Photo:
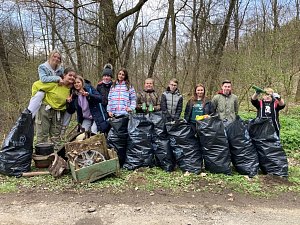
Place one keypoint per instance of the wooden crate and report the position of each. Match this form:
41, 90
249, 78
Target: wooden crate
96, 142
98, 170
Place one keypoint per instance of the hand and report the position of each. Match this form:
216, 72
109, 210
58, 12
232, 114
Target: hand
276, 96
61, 81
84, 93
69, 99
110, 114
128, 109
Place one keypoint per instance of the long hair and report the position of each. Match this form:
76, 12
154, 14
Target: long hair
194, 98
54, 52
126, 78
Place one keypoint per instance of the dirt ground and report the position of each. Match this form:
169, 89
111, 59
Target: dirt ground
146, 208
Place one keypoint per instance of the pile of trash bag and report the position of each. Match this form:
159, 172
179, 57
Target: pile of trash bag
185, 146
271, 156
139, 152
214, 144
17, 148
243, 153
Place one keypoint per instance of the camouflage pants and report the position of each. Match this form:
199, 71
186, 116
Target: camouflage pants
49, 125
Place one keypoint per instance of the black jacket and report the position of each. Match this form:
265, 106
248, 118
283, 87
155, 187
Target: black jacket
208, 109
103, 89
97, 110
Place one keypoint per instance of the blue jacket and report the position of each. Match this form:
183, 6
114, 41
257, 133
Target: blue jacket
47, 74
98, 112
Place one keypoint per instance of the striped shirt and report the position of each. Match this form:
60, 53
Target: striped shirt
119, 98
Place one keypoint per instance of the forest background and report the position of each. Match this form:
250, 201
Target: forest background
197, 41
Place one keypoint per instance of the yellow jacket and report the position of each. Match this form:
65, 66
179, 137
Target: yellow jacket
55, 95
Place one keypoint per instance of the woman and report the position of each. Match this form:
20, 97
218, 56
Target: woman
122, 96
86, 101
171, 100
51, 71
198, 105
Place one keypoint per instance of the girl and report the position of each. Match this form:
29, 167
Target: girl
86, 101
198, 105
122, 96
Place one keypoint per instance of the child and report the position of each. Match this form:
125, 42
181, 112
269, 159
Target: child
172, 100
269, 106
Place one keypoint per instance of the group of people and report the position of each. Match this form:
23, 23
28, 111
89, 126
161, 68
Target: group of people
61, 92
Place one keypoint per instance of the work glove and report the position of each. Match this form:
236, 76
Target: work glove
276, 96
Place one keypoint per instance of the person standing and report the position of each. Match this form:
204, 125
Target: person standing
147, 99
86, 101
172, 100
51, 112
225, 103
122, 96
198, 105
269, 106
104, 85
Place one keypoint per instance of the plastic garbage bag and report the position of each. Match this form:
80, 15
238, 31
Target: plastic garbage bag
243, 153
185, 147
16, 151
214, 143
139, 151
161, 143
271, 156
117, 136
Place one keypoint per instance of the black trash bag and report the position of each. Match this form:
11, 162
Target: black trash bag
271, 156
243, 153
139, 151
185, 146
214, 144
160, 141
117, 136
17, 148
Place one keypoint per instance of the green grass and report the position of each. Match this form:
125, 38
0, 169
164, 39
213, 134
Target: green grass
150, 179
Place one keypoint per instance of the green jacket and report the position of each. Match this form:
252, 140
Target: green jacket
55, 94
226, 106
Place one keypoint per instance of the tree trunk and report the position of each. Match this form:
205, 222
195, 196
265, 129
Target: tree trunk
76, 36
218, 51
12, 92
158, 45
174, 45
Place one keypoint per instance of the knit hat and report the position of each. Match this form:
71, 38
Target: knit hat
107, 70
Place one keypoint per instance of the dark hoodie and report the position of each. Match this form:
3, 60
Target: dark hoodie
103, 89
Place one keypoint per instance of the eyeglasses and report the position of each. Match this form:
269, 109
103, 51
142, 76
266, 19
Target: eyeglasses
175, 85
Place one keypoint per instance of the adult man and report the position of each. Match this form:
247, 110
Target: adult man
147, 100
51, 112
225, 103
